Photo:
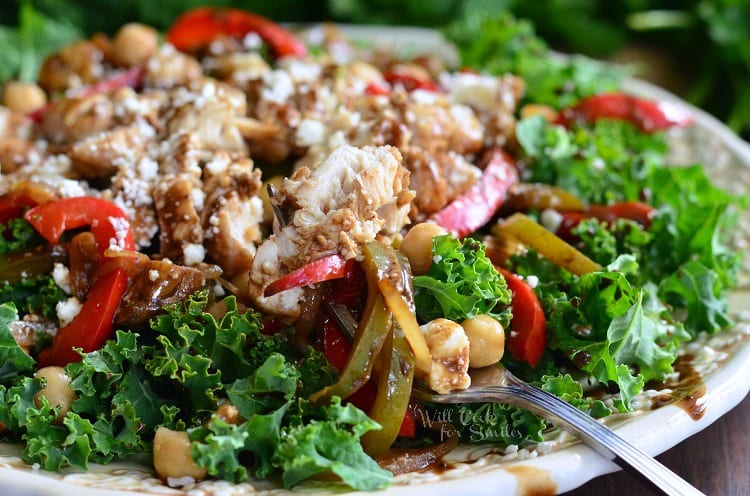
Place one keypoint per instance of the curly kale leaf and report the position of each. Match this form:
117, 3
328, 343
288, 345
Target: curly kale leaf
285, 433
461, 283
331, 444
13, 360
604, 163
18, 235
202, 353
37, 296
501, 44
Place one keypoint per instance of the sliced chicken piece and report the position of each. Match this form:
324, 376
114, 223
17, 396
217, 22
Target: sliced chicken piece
233, 213
209, 109
168, 68
335, 207
16, 152
180, 231
75, 65
101, 155
181, 154
494, 99
438, 126
73, 119
14, 125
148, 106
427, 180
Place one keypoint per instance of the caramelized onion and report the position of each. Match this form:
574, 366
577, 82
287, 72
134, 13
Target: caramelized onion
402, 461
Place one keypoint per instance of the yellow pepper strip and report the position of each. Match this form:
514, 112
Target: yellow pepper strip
547, 244
527, 196
394, 389
394, 282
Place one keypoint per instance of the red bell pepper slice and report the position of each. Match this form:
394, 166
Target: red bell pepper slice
92, 327
377, 89
528, 327
323, 269
197, 28
475, 208
647, 115
410, 82
130, 78
642, 213
13, 205
109, 225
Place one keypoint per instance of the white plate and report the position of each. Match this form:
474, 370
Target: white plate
526, 472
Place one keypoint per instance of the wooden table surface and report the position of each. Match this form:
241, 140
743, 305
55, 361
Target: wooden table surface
716, 461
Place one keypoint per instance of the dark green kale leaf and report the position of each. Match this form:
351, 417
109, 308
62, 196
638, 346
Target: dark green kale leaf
603, 242
202, 354
18, 235
698, 290
501, 44
461, 283
282, 432
331, 444
604, 163
13, 360
37, 295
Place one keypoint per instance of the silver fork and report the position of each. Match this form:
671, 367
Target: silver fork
597, 436
593, 434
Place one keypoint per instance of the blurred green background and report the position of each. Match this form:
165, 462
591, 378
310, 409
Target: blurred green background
699, 49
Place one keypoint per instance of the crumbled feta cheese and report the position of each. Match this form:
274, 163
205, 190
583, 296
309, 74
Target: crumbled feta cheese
61, 275
310, 132
299, 70
67, 310
148, 169
551, 219
122, 228
532, 281
278, 86
194, 253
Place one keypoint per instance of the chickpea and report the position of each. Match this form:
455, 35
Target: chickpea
274, 181
417, 246
486, 340
133, 44
533, 109
172, 458
23, 98
56, 389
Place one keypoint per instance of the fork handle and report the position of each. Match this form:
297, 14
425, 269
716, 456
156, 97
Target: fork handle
603, 440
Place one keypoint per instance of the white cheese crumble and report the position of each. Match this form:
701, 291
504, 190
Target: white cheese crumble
194, 253
61, 275
310, 132
532, 281
122, 228
67, 310
551, 219
278, 86
148, 169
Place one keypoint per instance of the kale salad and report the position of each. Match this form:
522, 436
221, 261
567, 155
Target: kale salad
235, 249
